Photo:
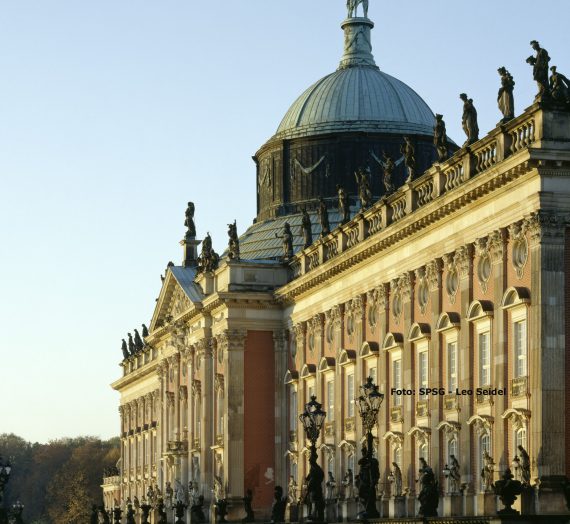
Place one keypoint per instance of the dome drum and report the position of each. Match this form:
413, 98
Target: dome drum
292, 174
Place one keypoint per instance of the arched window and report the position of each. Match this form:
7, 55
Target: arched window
293, 410
520, 438
220, 412
423, 451
451, 448
398, 456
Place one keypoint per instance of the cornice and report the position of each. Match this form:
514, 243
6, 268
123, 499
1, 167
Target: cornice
439, 209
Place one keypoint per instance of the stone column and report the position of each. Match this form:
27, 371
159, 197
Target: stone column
431, 277
495, 248
234, 436
462, 264
546, 349
281, 419
207, 417
404, 287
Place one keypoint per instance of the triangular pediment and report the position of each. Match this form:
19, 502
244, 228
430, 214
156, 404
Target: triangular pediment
179, 295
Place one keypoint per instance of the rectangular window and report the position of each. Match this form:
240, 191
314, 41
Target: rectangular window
293, 411
310, 393
484, 359
350, 394
452, 366
372, 374
520, 343
397, 380
330, 401
423, 372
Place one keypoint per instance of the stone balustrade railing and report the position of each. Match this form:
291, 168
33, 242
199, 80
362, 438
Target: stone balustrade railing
503, 141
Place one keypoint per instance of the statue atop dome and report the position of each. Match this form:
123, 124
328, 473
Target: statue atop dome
352, 6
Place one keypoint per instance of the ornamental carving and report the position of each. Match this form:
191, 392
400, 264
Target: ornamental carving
236, 339
376, 300
299, 337
169, 399
496, 244
219, 383
422, 288
183, 393
356, 306
541, 225
519, 418
397, 303
332, 322
433, 274
519, 248
452, 277
462, 260
196, 388
482, 424
484, 263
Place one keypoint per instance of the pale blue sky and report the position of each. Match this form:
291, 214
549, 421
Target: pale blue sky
114, 114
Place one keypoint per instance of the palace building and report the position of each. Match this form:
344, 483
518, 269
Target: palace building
450, 291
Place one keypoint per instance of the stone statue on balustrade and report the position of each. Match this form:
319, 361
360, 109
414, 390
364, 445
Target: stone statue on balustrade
505, 97
559, 86
139, 344
189, 221
197, 510
469, 120
150, 495
278, 506
440, 139
348, 484
364, 192
343, 206
144, 331
429, 491
307, 229
247, 506
233, 242
130, 514
168, 495
292, 494
525, 466
388, 165
330, 485
132, 349
104, 517
408, 150
124, 349
287, 241
397, 475
179, 494
94, 515
539, 64
208, 259
487, 471
454, 475
324, 218
161, 509
352, 6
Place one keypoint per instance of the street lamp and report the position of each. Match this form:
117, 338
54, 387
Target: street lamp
369, 403
5, 470
17, 509
312, 419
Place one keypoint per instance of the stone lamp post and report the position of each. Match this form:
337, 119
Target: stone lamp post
369, 403
312, 419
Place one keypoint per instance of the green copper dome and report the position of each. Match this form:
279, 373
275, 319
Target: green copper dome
357, 97
360, 98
